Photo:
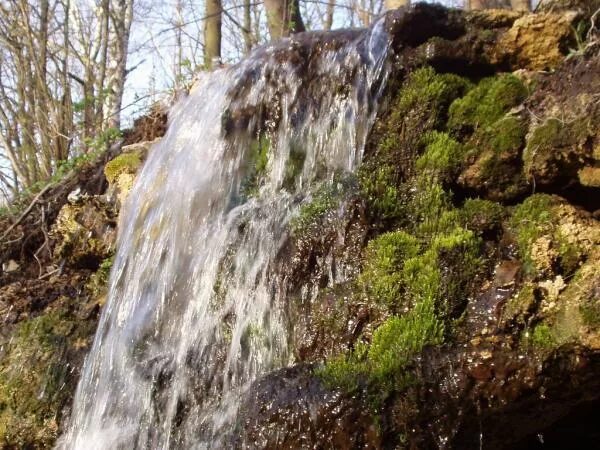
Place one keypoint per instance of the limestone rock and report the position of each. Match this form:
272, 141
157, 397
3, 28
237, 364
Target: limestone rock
85, 232
537, 41
121, 171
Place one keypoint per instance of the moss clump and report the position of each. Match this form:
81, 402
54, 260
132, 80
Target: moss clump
420, 107
486, 103
98, 284
501, 143
398, 340
256, 166
590, 313
32, 378
445, 272
435, 92
422, 290
323, 202
542, 155
379, 187
519, 308
542, 337
442, 157
429, 209
384, 258
294, 166
481, 216
383, 364
534, 220
124, 163
506, 135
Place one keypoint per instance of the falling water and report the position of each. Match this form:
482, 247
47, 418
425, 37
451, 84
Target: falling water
196, 311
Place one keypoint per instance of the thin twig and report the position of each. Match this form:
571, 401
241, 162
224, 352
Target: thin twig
27, 211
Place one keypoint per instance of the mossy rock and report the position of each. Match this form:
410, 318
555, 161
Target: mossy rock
421, 286
384, 259
578, 316
543, 245
85, 233
321, 206
482, 216
256, 166
125, 163
36, 378
442, 157
488, 102
494, 162
558, 149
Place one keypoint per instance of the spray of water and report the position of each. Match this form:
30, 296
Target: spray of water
196, 311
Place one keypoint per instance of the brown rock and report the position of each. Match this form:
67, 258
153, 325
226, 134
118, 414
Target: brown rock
537, 41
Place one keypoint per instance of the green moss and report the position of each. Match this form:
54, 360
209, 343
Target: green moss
549, 137
399, 340
429, 209
534, 218
124, 163
442, 157
507, 134
491, 99
500, 144
542, 337
520, 306
420, 106
384, 364
384, 257
32, 378
346, 371
421, 290
294, 166
427, 89
481, 216
326, 199
590, 313
256, 166
379, 187
98, 283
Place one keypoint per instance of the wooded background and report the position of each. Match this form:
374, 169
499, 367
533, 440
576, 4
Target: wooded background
72, 71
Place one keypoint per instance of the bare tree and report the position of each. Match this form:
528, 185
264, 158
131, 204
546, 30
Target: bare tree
521, 5
283, 17
35, 100
328, 22
212, 32
393, 4
121, 19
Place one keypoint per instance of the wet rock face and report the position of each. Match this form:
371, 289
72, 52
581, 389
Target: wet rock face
442, 210
291, 409
51, 297
519, 351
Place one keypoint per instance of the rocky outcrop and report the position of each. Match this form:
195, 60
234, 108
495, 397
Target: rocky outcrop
469, 315
57, 256
472, 318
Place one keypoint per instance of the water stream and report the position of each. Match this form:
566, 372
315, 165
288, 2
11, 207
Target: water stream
196, 311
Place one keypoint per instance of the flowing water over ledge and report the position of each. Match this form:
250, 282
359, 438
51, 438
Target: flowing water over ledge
196, 309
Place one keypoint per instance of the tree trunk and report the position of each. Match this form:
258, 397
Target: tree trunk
122, 16
393, 4
521, 5
476, 4
329, 15
283, 18
247, 31
212, 32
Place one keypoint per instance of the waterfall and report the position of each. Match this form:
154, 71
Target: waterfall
196, 310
